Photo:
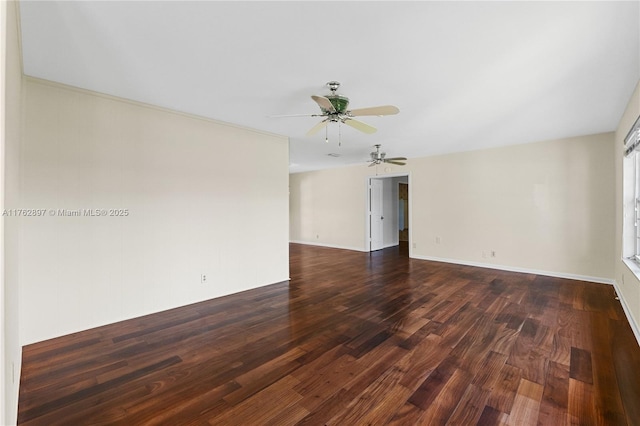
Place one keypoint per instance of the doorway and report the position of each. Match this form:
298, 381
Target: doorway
403, 216
376, 215
388, 213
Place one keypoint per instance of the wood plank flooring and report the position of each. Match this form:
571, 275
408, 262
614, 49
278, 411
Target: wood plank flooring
354, 338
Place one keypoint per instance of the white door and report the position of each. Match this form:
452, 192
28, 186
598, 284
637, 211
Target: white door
375, 216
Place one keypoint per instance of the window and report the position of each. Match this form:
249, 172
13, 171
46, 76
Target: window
631, 194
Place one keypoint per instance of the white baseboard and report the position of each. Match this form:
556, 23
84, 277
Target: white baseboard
598, 280
627, 312
11, 401
339, 246
310, 243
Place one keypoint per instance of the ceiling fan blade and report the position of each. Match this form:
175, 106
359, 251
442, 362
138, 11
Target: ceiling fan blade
324, 103
373, 163
295, 115
359, 125
315, 129
396, 159
398, 163
379, 110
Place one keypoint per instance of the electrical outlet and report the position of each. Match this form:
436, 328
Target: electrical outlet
438, 240
493, 253
413, 245
203, 278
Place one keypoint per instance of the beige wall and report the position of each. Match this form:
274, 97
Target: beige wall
328, 207
627, 284
195, 206
545, 207
12, 102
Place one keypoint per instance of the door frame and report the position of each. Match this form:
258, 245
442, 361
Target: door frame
367, 221
377, 224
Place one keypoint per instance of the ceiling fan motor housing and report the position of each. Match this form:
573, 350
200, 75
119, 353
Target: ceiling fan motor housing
377, 156
339, 102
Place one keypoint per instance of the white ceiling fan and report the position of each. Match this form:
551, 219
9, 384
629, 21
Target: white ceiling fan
378, 157
334, 109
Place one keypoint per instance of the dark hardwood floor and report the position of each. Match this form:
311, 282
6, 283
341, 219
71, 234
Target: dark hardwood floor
354, 338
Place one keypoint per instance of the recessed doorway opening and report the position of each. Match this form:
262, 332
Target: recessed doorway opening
388, 213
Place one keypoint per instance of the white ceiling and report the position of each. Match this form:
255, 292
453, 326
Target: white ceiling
465, 75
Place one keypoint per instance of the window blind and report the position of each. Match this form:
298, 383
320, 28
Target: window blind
632, 140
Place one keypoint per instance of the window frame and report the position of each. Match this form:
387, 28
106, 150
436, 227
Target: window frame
631, 199
636, 221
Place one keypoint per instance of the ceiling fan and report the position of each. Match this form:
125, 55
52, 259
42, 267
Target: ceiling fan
378, 157
334, 109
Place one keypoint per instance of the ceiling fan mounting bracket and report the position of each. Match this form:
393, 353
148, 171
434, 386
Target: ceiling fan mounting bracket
333, 86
